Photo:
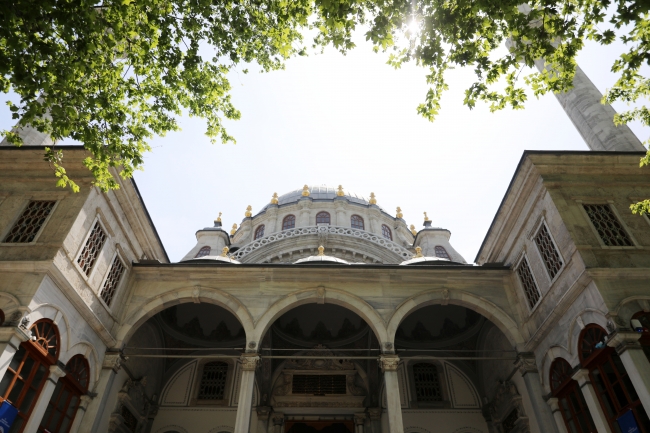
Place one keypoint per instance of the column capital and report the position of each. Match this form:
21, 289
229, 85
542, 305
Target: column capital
278, 418
581, 376
622, 340
526, 363
374, 412
263, 411
554, 403
14, 335
249, 361
56, 372
112, 361
389, 362
359, 418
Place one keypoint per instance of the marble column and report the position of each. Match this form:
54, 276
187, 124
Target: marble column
83, 405
389, 365
635, 362
528, 370
10, 339
278, 421
375, 419
555, 409
263, 413
92, 415
359, 421
35, 418
591, 398
249, 363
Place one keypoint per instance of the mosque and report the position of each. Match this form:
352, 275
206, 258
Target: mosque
324, 312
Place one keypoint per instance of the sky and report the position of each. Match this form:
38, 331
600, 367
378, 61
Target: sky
351, 120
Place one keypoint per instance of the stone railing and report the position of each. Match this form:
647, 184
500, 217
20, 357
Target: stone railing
316, 230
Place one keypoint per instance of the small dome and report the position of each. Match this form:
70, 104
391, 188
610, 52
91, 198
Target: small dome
320, 192
219, 259
428, 261
321, 260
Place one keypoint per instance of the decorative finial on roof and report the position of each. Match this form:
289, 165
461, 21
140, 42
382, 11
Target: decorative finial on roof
413, 231
372, 200
274, 199
249, 212
426, 218
399, 212
217, 222
339, 191
224, 251
233, 230
219, 217
418, 253
305, 191
321, 250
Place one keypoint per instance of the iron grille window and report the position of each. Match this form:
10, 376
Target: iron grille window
289, 222
316, 384
385, 231
607, 225
259, 232
357, 222
322, 218
528, 282
130, 421
91, 250
427, 382
213, 381
204, 251
547, 250
30, 222
113, 279
441, 252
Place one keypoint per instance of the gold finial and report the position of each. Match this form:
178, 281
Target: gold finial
340, 192
399, 212
249, 212
233, 230
413, 231
426, 218
305, 191
372, 200
321, 250
274, 199
218, 220
418, 253
224, 252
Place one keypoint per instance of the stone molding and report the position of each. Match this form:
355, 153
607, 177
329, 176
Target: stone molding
622, 341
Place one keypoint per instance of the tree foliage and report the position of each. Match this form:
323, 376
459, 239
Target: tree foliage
114, 74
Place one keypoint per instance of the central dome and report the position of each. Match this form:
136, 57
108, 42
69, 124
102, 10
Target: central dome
320, 192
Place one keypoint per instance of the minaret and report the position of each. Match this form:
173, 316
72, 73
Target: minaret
594, 120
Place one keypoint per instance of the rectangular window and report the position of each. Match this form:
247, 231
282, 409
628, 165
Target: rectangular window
609, 228
528, 282
91, 250
427, 382
318, 384
130, 421
113, 279
30, 222
213, 381
546, 247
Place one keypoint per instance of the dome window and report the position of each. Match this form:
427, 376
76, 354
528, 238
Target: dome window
442, 252
204, 251
289, 222
259, 232
385, 231
357, 222
322, 218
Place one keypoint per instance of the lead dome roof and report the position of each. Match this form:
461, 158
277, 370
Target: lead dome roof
320, 192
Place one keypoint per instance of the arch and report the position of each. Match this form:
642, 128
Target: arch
620, 309
259, 232
551, 355
289, 222
386, 232
323, 217
58, 317
592, 338
142, 312
320, 294
456, 297
578, 323
356, 222
90, 353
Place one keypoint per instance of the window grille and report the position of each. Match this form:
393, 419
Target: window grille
607, 225
130, 421
385, 231
259, 232
204, 251
91, 250
113, 279
315, 384
46, 336
289, 222
560, 373
213, 381
547, 250
322, 218
30, 222
441, 252
528, 282
427, 383
357, 222
590, 337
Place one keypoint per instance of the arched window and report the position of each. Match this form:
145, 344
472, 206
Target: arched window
65, 399
204, 251
427, 382
611, 381
357, 222
322, 218
385, 231
441, 252
289, 222
28, 370
570, 398
259, 232
213, 381
2, 317
644, 318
